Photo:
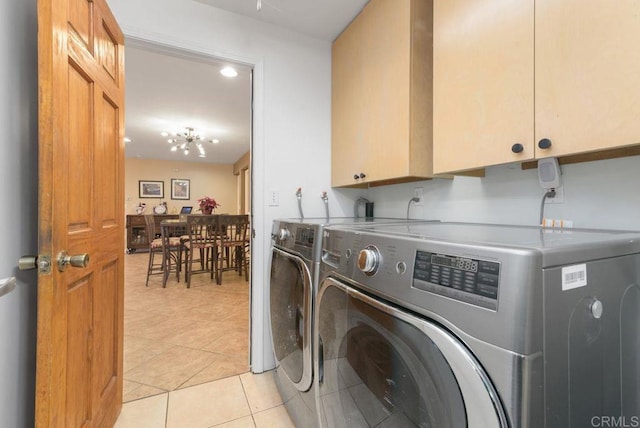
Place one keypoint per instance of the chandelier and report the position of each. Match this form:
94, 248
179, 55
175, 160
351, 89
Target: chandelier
187, 140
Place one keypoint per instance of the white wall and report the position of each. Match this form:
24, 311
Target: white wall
292, 116
18, 209
291, 146
600, 194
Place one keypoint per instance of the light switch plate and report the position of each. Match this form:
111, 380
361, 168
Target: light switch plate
274, 197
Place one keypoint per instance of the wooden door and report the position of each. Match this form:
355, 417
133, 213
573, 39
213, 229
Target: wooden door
483, 83
81, 170
348, 141
587, 68
386, 77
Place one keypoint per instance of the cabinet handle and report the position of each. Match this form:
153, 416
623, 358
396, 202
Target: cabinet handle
545, 143
362, 175
517, 148
356, 177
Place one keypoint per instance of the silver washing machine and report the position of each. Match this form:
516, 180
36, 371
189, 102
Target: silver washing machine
474, 325
296, 250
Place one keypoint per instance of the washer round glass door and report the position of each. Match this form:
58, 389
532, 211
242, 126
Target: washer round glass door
290, 315
381, 366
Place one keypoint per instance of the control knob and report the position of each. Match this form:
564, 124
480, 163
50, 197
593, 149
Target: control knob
283, 234
369, 260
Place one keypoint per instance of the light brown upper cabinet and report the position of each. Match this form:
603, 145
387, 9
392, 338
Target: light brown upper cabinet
382, 95
503, 95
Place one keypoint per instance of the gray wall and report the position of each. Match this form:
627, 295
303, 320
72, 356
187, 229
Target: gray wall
599, 194
18, 207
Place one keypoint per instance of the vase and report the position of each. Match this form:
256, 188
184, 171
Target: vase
207, 210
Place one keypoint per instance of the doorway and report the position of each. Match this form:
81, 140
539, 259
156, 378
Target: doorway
177, 337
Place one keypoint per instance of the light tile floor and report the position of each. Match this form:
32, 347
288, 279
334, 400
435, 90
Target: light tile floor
240, 401
177, 337
186, 354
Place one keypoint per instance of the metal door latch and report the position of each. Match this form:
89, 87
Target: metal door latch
42, 263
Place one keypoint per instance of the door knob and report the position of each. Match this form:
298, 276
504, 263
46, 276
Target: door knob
517, 148
42, 263
79, 260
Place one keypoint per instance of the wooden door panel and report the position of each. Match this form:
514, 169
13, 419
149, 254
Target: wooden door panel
105, 352
79, 152
347, 140
80, 21
107, 149
78, 347
386, 83
483, 83
81, 201
108, 49
587, 68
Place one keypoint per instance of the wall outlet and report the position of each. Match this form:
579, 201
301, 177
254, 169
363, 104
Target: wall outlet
559, 198
418, 192
273, 197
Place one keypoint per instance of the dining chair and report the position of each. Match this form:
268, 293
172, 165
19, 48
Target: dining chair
232, 243
200, 247
156, 247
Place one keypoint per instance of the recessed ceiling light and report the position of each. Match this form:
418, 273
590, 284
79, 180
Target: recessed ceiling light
214, 141
164, 134
127, 139
229, 72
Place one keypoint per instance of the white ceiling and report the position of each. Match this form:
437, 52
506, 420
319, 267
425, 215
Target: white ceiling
169, 90
323, 19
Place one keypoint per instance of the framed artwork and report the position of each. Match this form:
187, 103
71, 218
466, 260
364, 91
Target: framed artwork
151, 189
180, 188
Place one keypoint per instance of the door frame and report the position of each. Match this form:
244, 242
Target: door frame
259, 347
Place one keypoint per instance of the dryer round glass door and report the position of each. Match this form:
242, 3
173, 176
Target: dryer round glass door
381, 366
290, 315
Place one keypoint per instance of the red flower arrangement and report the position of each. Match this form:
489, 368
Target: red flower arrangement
207, 204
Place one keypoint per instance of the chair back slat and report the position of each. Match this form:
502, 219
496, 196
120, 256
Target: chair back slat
202, 229
150, 223
234, 229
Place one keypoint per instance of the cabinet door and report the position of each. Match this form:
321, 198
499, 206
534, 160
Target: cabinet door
386, 81
348, 142
483, 83
587, 75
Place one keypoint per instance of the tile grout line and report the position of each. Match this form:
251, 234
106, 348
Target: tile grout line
244, 391
166, 413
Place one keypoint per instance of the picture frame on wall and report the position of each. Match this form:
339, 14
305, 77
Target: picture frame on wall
180, 188
150, 189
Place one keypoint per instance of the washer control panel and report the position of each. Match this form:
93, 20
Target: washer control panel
305, 236
294, 237
470, 280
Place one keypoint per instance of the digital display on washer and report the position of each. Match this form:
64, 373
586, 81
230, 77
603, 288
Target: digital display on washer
305, 236
469, 280
455, 262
